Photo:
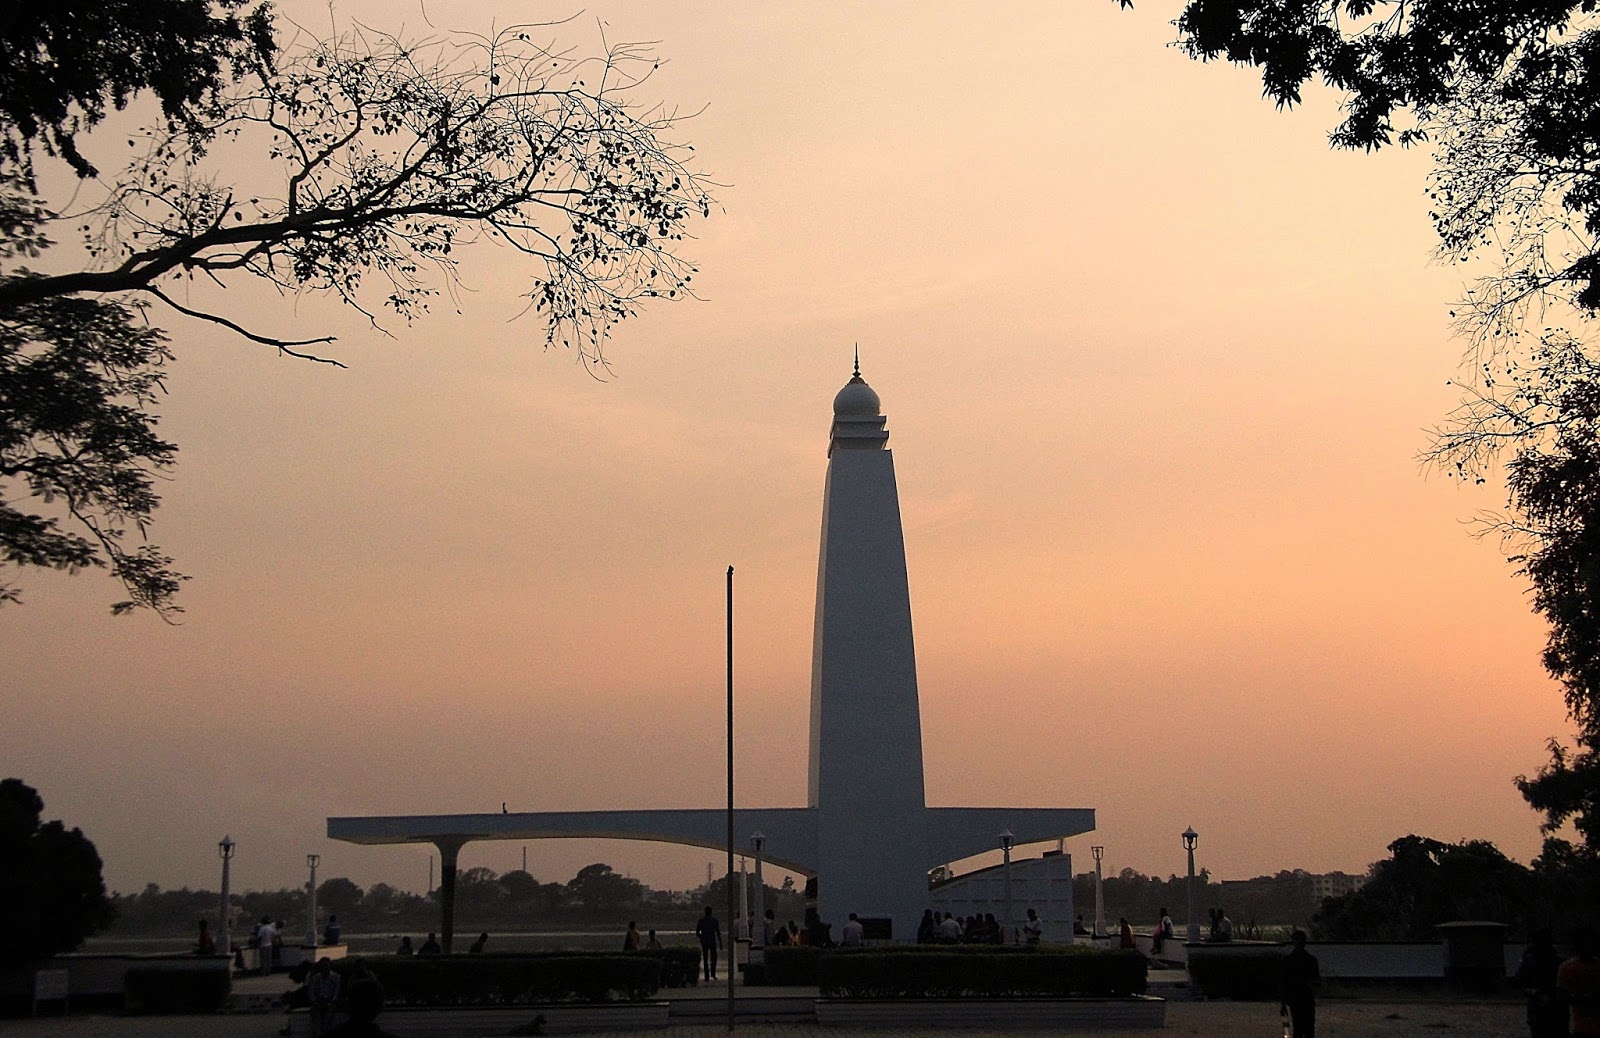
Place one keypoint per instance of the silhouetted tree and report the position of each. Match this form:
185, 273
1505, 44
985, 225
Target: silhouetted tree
521, 888
51, 893
338, 896
603, 890
63, 65
1424, 883
1507, 92
354, 167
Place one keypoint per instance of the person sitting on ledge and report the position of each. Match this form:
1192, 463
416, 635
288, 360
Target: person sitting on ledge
477, 946
332, 932
365, 1000
430, 946
405, 947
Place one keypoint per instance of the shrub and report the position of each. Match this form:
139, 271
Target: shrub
156, 990
1247, 976
791, 966
510, 979
680, 966
980, 973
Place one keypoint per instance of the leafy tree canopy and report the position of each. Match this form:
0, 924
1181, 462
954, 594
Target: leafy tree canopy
1507, 92
354, 167
1423, 883
338, 896
62, 66
52, 895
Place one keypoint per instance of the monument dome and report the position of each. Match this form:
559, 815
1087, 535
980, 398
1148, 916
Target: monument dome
857, 399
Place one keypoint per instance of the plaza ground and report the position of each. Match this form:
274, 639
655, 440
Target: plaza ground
1335, 1019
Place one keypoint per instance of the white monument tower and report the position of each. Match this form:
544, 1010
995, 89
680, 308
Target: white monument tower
866, 728
866, 833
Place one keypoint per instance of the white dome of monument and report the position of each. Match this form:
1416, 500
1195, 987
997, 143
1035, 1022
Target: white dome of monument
856, 399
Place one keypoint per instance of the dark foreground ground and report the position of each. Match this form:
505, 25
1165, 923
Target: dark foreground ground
1335, 1019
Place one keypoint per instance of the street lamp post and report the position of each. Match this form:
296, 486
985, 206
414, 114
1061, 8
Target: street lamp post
1190, 838
758, 927
1099, 893
1005, 848
225, 851
312, 861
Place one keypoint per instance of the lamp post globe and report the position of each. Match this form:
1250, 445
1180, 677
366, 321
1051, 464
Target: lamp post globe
225, 909
1190, 838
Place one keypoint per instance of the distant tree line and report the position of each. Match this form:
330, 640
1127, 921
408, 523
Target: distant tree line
1264, 902
1425, 882
597, 897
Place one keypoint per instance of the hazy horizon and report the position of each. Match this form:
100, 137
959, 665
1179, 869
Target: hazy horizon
1157, 364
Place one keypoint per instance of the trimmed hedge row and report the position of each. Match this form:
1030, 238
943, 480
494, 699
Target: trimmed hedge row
498, 980
680, 967
1243, 976
980, 973
790, 965
157, 990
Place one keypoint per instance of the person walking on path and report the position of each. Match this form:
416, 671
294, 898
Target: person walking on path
1298, 978
710, 933
1579, 979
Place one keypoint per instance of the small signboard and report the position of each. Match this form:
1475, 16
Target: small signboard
51, 986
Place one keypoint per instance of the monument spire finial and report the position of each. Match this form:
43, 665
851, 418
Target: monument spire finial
857, 373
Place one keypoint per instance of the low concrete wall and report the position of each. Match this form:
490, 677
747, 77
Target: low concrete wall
102, 975
1009, 1013
471, 1023
1363, 960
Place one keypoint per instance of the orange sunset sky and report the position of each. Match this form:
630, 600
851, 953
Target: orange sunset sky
1156, 363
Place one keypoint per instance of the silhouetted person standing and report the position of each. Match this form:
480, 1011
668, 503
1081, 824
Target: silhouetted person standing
206, 945
1298, 978
710, 933
1579, 978
266, 937
322, 988
1536, 975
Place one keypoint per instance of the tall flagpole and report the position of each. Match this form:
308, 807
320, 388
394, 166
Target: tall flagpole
731, 944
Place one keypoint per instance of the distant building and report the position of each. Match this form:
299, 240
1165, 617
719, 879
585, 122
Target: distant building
1335, 884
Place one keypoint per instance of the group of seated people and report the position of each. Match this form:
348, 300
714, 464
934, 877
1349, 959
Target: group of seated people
975, 929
